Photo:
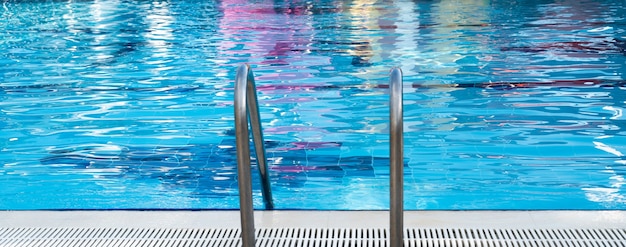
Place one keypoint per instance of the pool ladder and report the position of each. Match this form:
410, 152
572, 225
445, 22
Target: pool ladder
247, 111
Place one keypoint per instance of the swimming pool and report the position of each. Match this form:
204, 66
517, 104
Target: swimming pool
129, 104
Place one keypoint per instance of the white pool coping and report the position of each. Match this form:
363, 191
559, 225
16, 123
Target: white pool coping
314, 219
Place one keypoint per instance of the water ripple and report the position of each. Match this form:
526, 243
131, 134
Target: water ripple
508, 105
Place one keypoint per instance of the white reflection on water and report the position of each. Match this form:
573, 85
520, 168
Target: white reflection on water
160, 31
159, 37
618, 112
613, 194
608, 149
406, 47
103, 14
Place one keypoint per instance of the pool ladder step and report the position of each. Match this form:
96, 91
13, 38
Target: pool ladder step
247, 111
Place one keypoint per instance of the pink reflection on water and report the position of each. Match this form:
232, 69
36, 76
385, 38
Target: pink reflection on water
289, 129
259, 33
284, 76
292, 100
310, 145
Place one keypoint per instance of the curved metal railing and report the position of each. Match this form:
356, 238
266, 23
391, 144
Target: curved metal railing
247, 108
396, 163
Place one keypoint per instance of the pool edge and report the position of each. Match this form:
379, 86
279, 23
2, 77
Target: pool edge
315, 219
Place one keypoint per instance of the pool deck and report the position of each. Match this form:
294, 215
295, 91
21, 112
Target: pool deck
314, 219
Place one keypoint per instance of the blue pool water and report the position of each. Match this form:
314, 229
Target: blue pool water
129, 104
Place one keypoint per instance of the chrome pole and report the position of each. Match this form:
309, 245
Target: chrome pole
243, 158
396, 155
259, 143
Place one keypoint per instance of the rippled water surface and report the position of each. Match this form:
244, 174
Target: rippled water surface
129, 104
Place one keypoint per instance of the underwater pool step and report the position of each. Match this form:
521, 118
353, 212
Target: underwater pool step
297, 237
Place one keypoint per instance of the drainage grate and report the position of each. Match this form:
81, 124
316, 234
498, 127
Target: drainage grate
309, 237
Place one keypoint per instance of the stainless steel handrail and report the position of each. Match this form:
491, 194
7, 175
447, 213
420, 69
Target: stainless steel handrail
396, 156
247, 107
